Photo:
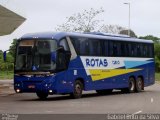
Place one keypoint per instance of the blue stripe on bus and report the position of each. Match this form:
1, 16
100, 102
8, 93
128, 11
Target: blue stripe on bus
132, 64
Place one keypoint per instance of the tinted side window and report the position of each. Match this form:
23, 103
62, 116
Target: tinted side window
150, 50
84, 46
104, 46
145, 50
124, 49
134, 49
114, 48
76, 44
64, 43
111, 51
138, 50
81, 45
95, 47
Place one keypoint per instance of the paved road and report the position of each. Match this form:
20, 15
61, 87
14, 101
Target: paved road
91, 103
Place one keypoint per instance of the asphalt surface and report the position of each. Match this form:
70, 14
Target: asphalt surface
91, 103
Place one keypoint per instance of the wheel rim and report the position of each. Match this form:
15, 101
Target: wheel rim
132, 85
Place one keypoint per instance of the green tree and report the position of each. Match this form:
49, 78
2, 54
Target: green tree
1, 51
8, 65
156, 49
12, 48
125, 32
150, 37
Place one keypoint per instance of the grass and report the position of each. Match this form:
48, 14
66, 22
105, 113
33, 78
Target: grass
157, 77
6, 75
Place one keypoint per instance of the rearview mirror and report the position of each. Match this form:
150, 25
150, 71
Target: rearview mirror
53, 56
60, 48
4, 56
54, 53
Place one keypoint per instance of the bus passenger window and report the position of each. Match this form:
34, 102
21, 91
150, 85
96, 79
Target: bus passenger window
84, 46
104, 47
95, 48
76, 44
150, 50
110, 48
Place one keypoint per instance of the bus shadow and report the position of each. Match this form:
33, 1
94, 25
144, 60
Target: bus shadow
84, 96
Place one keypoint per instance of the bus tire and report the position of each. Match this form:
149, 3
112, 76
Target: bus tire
103, 92
78, 88
131, 86
42, 95
139, 84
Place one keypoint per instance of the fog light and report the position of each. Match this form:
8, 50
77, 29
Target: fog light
18, 90
50, 91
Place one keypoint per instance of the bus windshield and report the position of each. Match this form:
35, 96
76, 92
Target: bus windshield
35, 55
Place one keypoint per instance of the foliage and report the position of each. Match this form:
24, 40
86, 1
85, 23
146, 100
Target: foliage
87, 22
81, 22
150, 37
8, 65
125, 32
6, 75
157, 56
12, 48
111, 28
157, 77
156, 49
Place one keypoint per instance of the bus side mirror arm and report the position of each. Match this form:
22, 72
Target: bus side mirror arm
54, 56
5, 56
54, 53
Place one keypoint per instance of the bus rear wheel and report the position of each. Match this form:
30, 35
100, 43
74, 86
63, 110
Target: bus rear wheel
131, 86
78, 88
42, 95
139, 84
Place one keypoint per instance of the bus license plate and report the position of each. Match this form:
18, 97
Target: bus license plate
31, 86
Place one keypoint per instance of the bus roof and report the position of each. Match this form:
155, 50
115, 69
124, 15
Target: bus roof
94, 35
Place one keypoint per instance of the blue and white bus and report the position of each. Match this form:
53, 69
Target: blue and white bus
68, 63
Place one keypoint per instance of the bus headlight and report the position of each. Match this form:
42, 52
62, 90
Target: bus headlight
18, 90
50, 91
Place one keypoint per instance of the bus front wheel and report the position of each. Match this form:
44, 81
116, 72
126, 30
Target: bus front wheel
78, 88
42, 95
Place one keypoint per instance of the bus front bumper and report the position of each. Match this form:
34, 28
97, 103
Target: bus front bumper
33, 85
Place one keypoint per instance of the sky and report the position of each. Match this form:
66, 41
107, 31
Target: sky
45, 15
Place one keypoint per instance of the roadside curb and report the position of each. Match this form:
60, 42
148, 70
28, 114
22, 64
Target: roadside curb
6, 88
158, 82
5, 95
6, 92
